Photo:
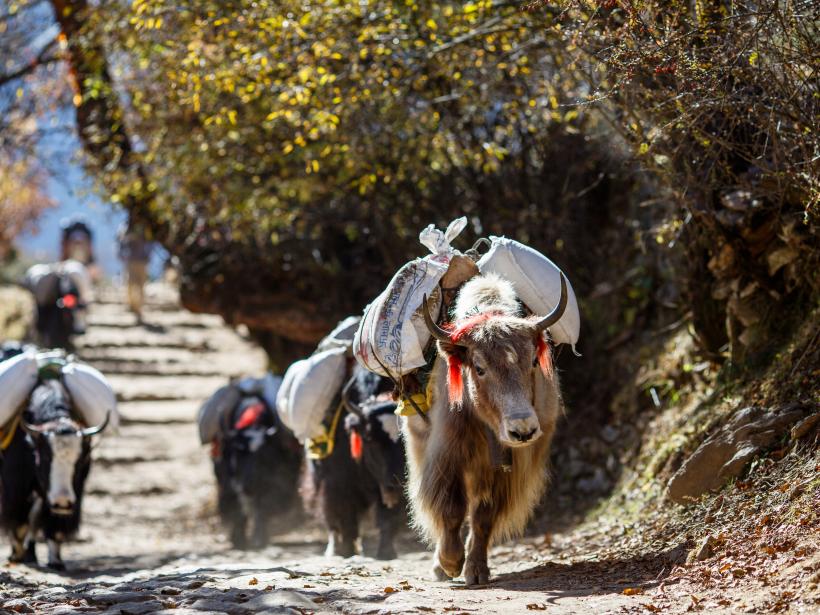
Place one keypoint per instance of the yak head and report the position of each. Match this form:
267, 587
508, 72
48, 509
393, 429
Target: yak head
373, 429
61, 446
493, 356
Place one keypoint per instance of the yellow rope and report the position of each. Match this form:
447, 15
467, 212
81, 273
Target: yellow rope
321, 447
406, 406
8, 432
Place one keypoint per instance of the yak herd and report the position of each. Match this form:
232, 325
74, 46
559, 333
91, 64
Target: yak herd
464, 472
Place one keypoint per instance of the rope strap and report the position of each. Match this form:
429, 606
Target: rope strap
321, 447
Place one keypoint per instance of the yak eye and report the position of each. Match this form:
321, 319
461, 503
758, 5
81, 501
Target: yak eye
535, 360
480, 371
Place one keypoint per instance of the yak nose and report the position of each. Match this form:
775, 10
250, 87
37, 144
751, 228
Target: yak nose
521, 429
522, 436
62, 503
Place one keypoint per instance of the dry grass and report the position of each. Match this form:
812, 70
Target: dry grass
16, 312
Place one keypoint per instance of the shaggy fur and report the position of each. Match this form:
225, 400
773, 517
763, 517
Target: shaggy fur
453, 473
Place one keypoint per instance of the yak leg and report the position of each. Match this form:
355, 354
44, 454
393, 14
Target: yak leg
22, 549
476, 571
451, 507
388, 520
260, 531
342, 525
55, 560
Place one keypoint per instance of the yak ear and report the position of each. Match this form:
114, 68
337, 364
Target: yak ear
453, 350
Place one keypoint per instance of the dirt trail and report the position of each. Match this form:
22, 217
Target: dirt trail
150, 541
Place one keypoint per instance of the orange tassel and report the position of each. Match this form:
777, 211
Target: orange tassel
356, 445
455, 385
544, 354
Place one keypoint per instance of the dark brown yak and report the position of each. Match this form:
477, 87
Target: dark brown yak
494, 403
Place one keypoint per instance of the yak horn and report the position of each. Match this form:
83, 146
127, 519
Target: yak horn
33, 430
350, 406
436, 331
554, 316
93, 431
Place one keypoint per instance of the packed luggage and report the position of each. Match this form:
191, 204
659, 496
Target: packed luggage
392, 339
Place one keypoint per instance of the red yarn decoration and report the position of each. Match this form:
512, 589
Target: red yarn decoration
455, 385
356, 445
249, 416
544, 354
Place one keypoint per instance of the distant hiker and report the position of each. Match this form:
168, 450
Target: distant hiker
135, 252
76, 242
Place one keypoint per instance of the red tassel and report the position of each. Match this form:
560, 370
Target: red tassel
356, 445
455, 385
544, 354
249, 416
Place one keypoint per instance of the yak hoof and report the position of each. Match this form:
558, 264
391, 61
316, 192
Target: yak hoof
27, 557
476, 573
56, 565
439, 574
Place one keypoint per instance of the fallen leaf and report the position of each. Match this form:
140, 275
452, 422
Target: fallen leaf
253, 581
633, 591
536, 607
652, 608
390, 590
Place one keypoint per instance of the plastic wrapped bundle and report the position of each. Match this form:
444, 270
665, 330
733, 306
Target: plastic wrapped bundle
537, 283
93, 397
18, 377
209, 417
392, 335
342, 334
308, 389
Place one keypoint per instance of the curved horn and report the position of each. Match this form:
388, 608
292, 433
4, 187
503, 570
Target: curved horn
554, 316
350, 406
436, 331
32, 430
93, 431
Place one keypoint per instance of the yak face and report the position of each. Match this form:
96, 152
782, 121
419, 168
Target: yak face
496, 352
374, 442
498, 359
60, 446
66, 449
59, 450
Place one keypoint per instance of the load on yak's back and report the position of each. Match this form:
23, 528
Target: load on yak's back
468, 341
392, 338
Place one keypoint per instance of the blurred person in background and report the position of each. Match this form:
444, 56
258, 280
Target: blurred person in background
135, 253
77, 243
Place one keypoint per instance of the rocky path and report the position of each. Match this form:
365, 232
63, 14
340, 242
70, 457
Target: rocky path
150, 542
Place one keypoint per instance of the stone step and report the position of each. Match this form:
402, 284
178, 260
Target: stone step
156, 369
150, 388
158, 412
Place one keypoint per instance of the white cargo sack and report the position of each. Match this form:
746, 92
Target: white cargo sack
342, 334
93, 397
18, 377
392, 333
537, 282
307, 391
43, 283
209, 417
